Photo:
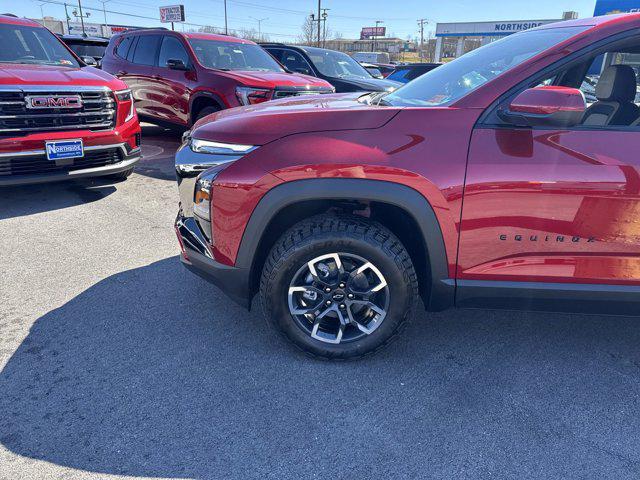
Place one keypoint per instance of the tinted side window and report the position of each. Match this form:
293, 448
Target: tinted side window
147, 50
132, 49
123, 47
275, 53
172, 49
295, 62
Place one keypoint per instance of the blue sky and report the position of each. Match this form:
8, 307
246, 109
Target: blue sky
285, 17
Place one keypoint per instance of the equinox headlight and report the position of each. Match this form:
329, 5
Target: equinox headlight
217, 148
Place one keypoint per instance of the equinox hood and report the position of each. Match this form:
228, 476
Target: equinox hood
269, 121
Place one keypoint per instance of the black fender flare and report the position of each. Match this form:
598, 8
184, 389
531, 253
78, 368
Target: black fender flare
204, 93
442, 291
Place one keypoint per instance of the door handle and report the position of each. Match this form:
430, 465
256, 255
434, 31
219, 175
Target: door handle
121, 72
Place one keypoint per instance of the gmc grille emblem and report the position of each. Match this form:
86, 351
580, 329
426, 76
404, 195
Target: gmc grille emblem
54, 101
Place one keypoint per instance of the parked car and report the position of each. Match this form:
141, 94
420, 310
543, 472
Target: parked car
89, 49
59, 118
341, 211
177, 78
378, 70
410, 71
337, 68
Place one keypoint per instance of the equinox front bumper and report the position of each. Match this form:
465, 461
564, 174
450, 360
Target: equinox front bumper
197, 257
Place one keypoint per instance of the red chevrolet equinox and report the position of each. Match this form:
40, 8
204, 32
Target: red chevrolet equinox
59, 118
177, 78
508, 178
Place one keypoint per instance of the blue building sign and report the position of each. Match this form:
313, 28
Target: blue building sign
607, 7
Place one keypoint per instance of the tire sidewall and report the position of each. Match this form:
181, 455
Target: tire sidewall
276, 299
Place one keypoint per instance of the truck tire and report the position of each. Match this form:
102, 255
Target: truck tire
338, 286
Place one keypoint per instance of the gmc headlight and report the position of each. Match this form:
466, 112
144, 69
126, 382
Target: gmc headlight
251, 96
125, 97
217, 148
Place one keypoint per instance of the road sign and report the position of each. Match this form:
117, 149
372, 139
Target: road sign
172, 13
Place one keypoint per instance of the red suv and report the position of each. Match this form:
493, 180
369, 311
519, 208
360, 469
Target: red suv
177, 78
488, 182
59, 118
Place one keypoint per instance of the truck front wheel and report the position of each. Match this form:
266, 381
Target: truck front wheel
338, 287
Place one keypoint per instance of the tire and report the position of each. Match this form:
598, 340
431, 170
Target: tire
206, 111
367, 257
121, 176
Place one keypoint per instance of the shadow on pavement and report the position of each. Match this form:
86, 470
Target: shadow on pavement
45, 197
152, 372
159, 146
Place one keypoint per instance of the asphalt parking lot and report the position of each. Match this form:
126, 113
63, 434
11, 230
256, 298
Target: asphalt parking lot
114, 360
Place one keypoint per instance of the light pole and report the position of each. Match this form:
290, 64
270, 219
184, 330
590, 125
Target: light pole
42, 13
104, 12
66, 14
226, 29
324, 26
319, 17
259, 20
373, 45
82, 17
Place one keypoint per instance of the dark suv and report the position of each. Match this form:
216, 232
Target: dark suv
177, 78
337, 68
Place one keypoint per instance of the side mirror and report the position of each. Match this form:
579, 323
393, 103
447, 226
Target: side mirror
375, 72
546, 107
89, 60
176, 64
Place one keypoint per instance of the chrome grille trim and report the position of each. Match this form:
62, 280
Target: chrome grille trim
98, 110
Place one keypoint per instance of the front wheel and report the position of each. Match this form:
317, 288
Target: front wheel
338, 287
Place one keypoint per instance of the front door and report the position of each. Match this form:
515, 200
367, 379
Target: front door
555, 213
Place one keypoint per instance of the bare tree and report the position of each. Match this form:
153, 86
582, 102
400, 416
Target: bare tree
308, 35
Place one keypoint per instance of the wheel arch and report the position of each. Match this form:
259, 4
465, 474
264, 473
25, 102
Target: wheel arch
397, 207
202, 99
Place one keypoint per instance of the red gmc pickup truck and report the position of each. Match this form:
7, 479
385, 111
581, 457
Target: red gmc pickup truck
59, 118
490, 181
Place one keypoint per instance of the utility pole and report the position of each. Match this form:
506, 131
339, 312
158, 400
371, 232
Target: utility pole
226, 29
373, 44
421, 23
259, 20
319, 17
324, 26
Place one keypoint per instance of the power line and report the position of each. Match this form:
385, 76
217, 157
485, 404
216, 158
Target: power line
146, 17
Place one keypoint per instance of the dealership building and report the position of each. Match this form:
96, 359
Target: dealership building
456, 39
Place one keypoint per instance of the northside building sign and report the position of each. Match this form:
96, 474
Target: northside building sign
487, 29
516, 27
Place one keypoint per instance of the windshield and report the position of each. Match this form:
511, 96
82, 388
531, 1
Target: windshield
450, 82
87, 49
33, 45
336, 64
233, 56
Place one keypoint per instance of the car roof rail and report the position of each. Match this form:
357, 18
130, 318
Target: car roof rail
9, 15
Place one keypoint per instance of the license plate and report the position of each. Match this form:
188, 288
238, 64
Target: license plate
61, 149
